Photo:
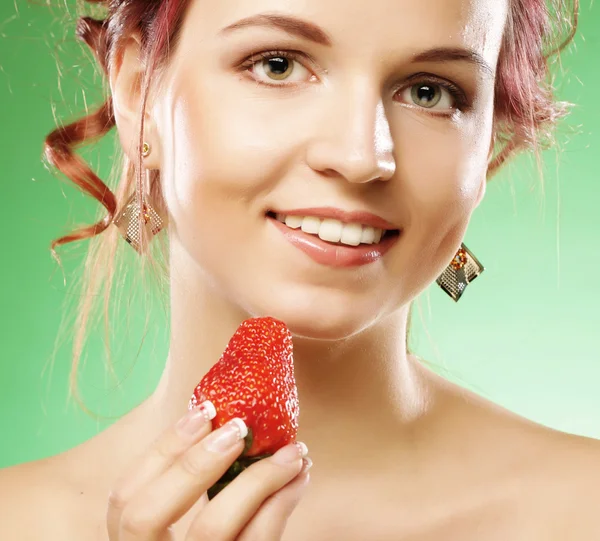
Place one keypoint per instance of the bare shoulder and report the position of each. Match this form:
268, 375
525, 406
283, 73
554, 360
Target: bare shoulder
569, 483
558, 478
575, 462
557, 487
553, 477
31, 502
22, 502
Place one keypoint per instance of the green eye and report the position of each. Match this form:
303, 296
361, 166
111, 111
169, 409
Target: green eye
426, 95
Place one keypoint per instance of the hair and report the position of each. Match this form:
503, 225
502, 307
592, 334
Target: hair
525, 116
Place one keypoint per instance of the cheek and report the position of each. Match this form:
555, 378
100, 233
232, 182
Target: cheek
227, 146
219, 157
223, 158
443, 168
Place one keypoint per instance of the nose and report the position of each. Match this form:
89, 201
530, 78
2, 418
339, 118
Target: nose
353, 140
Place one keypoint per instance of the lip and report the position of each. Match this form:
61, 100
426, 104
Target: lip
359, 217
334, 255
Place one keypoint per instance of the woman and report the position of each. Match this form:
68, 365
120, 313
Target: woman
242, 122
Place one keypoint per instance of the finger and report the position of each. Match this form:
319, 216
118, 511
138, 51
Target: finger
194, 426
269, 522
227, 514
168, 497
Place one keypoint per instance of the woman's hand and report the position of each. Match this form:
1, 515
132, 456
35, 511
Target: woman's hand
183, 463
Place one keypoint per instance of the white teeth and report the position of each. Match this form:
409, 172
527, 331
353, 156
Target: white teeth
368, 235
311, 224
295, 222
351, 234
333, 230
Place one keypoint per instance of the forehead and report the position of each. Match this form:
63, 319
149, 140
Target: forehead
372, 27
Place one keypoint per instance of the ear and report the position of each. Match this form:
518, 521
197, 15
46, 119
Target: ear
126, 88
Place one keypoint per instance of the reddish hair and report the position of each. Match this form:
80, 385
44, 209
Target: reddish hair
525, 115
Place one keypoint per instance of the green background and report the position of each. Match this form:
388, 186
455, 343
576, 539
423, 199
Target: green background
525, 334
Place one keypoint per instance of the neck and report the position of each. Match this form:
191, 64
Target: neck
365, 383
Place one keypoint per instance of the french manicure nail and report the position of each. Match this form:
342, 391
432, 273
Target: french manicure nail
223, 439
290, 453
196, 418
306, 465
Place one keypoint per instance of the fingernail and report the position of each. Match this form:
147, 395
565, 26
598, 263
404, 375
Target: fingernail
196, 418
306, 465
290, 453
223, 439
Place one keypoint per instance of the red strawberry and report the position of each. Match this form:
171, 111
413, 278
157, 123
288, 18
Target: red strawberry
254, 380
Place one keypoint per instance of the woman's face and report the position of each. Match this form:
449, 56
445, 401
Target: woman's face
392, 116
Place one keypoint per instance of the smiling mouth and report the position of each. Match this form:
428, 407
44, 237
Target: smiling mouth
335, 232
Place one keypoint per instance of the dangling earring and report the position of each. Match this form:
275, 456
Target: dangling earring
463, 269
133, 218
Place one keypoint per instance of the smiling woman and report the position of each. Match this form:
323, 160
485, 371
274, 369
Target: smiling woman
340, 159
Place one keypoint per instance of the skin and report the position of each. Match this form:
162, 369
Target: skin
345, 134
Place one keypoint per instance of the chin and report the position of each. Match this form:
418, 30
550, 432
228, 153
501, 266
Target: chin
322, 320
315, 328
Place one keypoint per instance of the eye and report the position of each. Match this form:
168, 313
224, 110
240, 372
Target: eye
430, 95
277, 66
285, 66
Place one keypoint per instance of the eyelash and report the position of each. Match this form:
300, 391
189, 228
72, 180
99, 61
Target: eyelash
461, 101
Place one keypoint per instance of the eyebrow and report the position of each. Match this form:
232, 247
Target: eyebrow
291, 25
455, 54
312, 32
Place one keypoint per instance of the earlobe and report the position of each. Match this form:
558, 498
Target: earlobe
126, 88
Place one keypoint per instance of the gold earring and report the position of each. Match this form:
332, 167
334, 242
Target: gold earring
463, 269
139, 223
